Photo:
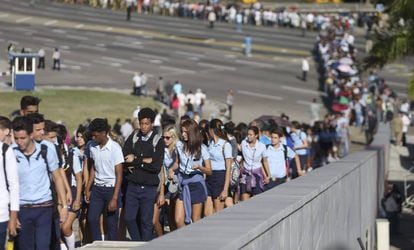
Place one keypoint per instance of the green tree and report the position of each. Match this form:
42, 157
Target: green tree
396, 39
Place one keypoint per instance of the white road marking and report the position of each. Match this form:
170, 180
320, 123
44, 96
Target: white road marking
112, 64
307, 91
43, 39
153, 56
59, 31
85, 46
83, 38
179, 70
194, 58
230, 56
249, 93
113, 59
109, 29
211, 40
183, 53
192, 31
51, 22
3, 15
79, 26
125, 71
21, 20
155, 61
217, 66
255, 64
236, 49
65, 66
95, 34
101, 45
128, 45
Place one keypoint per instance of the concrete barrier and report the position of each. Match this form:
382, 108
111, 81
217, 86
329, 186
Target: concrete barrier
334, 207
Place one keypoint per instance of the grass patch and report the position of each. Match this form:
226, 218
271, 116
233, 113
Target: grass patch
73, 107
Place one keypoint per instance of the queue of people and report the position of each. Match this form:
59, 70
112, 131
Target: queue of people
173, 176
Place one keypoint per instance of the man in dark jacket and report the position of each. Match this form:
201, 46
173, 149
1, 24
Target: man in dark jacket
144, 156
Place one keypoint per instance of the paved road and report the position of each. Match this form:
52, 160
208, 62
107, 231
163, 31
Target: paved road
100, 49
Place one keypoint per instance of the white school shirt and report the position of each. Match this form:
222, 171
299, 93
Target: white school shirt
188, 161
252, 156
276, 160
8, 198
105, 159
217, 155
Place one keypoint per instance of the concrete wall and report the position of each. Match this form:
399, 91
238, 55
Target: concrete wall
329, 208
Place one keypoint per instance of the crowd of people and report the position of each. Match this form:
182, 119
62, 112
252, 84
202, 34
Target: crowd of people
254, 15
115, 180
361, 102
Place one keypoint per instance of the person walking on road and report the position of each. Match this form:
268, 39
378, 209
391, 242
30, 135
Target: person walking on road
230, 101
248, 46
56, 59
130, 6
305, 68
41, 64
212, 19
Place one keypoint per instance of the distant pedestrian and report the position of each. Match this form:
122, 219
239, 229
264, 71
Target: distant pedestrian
239, 22
391, 203
397, 128
137, 84
230, 101
248, 46
212, 19
56, 59
41, 64
144, 86
130, 6
305, 68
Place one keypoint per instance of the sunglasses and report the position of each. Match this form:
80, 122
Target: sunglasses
167, 137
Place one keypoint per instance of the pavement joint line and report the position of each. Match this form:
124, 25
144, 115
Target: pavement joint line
101, 27
309, 91
85, 46
83, 38
184, 53
304, 103
43, 39
128, 45
249, 93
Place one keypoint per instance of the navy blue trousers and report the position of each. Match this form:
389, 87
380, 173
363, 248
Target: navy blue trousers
3, 232
36, 228
99, 200
140, 199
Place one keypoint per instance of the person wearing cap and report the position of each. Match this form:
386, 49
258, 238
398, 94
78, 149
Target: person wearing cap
105, 179
144, 156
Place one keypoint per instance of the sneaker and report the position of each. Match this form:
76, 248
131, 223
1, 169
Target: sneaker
309, 169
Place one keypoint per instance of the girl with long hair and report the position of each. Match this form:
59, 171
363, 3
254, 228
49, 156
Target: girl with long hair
193, 162
221, 159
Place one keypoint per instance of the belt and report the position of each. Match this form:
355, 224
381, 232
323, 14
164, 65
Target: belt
104, 185
275, 179
38, 205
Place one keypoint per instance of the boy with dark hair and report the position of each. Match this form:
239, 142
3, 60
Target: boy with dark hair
9, 184
105, 179
29, 104
35, 162
5, 130
144, 155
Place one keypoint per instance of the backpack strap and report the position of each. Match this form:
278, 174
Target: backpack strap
43, 153
155, 140
4, 150
285, 153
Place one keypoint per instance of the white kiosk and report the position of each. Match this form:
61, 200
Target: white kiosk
23, 70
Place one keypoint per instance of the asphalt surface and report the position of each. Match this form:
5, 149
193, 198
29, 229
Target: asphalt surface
100, 49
